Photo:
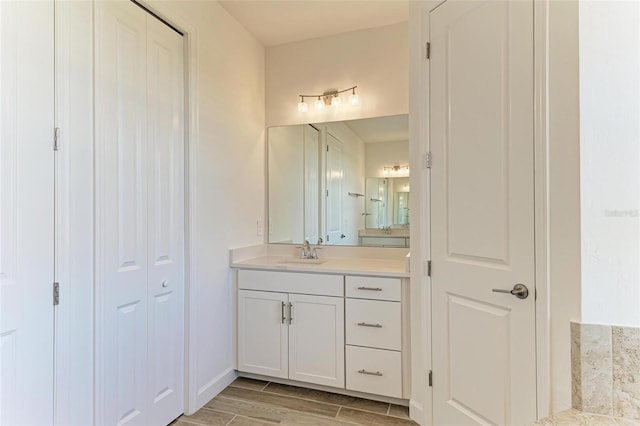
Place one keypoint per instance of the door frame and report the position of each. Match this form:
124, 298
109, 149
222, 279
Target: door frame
78, 161
421, 399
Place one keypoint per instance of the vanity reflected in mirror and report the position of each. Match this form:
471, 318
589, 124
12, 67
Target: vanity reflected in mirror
340, 183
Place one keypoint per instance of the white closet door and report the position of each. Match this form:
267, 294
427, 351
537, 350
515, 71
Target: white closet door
165, 162
121, 214
26, 212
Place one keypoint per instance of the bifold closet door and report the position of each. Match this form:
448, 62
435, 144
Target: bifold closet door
139, 217
26, 212
165, 171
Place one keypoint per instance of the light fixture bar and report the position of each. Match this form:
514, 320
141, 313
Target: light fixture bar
328, 98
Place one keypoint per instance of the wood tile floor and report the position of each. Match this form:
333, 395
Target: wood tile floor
248, 402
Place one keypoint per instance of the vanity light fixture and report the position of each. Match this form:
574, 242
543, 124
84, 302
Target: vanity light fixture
329, 98
396, 170
302, 105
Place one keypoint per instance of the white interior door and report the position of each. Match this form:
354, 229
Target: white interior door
26, 212
311, 184
165, 171
481, 118
139, 217
334, 195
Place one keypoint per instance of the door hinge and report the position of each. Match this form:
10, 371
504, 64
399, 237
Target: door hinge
428, 50
327, 148
428, 268
56, 139
430, 378
427, 160
56, 294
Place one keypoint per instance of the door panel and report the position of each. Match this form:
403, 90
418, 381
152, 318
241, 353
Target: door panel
311, 184
165, 221
26, 212
334, 179
263, 336
481, 115
316, 339
121, 209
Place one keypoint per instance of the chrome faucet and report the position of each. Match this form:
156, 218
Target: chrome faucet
307, 252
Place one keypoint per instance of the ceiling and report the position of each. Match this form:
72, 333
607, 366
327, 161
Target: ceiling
275, 22
394, 128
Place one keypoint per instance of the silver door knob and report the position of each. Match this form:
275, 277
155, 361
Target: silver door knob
519, 290
165, 283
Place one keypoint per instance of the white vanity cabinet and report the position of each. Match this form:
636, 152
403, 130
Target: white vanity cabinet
343, 331
285, 334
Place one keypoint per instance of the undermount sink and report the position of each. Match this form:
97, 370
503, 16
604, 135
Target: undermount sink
304, 261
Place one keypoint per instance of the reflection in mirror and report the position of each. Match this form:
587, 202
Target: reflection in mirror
340, 183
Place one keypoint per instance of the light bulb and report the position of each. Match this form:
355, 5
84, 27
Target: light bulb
319, 104
353, 99
302, 106
335, 101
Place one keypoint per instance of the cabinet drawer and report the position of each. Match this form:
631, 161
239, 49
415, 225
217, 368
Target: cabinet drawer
291, 282
374, 323
384, 241
374, 371
373, 288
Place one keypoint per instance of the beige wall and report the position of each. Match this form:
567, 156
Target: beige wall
610, 155
228, 178
376, 60
378, 155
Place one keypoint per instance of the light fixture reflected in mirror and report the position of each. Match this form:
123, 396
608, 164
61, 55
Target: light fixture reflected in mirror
329, 98
396, 170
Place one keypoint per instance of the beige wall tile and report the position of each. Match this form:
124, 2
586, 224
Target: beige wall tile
626, 372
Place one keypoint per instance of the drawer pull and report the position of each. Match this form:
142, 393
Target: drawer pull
370, 373
370, 288
364, 324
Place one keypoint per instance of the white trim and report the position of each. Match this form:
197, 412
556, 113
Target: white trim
207, 392
421, 404
541, 182
331, 389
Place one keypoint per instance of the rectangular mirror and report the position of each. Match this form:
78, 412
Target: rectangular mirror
340, 183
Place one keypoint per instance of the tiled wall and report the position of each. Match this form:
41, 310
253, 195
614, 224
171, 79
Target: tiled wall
605, 366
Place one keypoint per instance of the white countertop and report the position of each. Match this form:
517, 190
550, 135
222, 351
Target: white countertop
346, 266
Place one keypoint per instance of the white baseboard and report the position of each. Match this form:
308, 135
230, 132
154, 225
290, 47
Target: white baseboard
207, 392
417, 413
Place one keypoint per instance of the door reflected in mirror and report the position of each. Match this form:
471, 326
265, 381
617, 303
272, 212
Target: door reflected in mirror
340, 183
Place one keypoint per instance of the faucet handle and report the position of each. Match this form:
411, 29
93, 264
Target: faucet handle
314, 252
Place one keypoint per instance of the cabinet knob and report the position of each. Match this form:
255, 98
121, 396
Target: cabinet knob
165, 283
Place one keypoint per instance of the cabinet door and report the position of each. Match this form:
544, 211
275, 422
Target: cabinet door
316, 339
262, 333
